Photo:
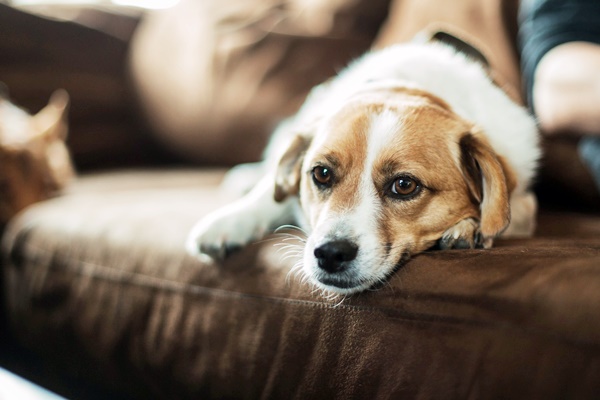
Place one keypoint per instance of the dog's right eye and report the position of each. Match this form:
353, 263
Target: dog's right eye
322, 176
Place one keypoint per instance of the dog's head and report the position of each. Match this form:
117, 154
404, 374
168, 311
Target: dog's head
383, 178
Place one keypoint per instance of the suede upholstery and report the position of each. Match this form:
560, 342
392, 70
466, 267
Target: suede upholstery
99, 278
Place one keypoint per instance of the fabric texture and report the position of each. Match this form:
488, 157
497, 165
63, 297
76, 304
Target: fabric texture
98, 281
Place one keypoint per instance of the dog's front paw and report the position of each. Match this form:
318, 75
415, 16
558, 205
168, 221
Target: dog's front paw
464, 235
223, 232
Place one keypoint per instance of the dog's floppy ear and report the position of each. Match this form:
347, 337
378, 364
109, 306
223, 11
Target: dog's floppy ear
489, 182
287, 175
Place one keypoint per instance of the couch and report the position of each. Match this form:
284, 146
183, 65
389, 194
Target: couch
100, 299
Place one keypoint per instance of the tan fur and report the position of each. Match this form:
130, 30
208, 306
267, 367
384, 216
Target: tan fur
495, 206
418, 223
287, 178
456, 195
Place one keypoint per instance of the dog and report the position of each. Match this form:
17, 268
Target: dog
409, 148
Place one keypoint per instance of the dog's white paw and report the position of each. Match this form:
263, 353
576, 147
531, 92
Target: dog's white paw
463, 235
223, 232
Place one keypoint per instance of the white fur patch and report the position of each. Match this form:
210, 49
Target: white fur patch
384, 127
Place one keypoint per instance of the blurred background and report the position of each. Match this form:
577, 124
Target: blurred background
164, 81
82, 47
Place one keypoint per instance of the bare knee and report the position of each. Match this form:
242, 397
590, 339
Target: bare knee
566, 91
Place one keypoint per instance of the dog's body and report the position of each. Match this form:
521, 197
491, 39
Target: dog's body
409, 147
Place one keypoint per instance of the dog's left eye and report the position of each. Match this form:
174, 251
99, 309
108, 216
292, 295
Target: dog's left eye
405, 187
322, 176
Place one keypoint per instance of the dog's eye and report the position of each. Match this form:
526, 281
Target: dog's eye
322, 176
404, 187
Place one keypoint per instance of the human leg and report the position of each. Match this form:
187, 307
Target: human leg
566, 90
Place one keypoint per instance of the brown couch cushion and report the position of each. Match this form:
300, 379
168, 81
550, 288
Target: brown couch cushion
99, 282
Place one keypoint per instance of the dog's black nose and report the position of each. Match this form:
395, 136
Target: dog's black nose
334, 256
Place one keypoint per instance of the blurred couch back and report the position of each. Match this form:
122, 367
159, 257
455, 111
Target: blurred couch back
87, 58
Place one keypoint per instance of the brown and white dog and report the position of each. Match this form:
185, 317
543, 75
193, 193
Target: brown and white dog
410, 147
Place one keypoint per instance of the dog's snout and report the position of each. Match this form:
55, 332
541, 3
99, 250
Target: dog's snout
333, 256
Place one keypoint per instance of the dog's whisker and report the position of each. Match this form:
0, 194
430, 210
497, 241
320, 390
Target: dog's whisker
289, 256
279, 237
291, 227
294, 269
284, 254
323, 293
294, 238
289, 275
342, 299
288, 246
315, 290
287, 243
292, 235
334, 296
303, 278
302, 275
286, 234
296, 252
267, 240
288, 252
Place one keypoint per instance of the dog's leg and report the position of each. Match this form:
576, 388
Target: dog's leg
242, 178
523, 208
248, 219
464, 235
